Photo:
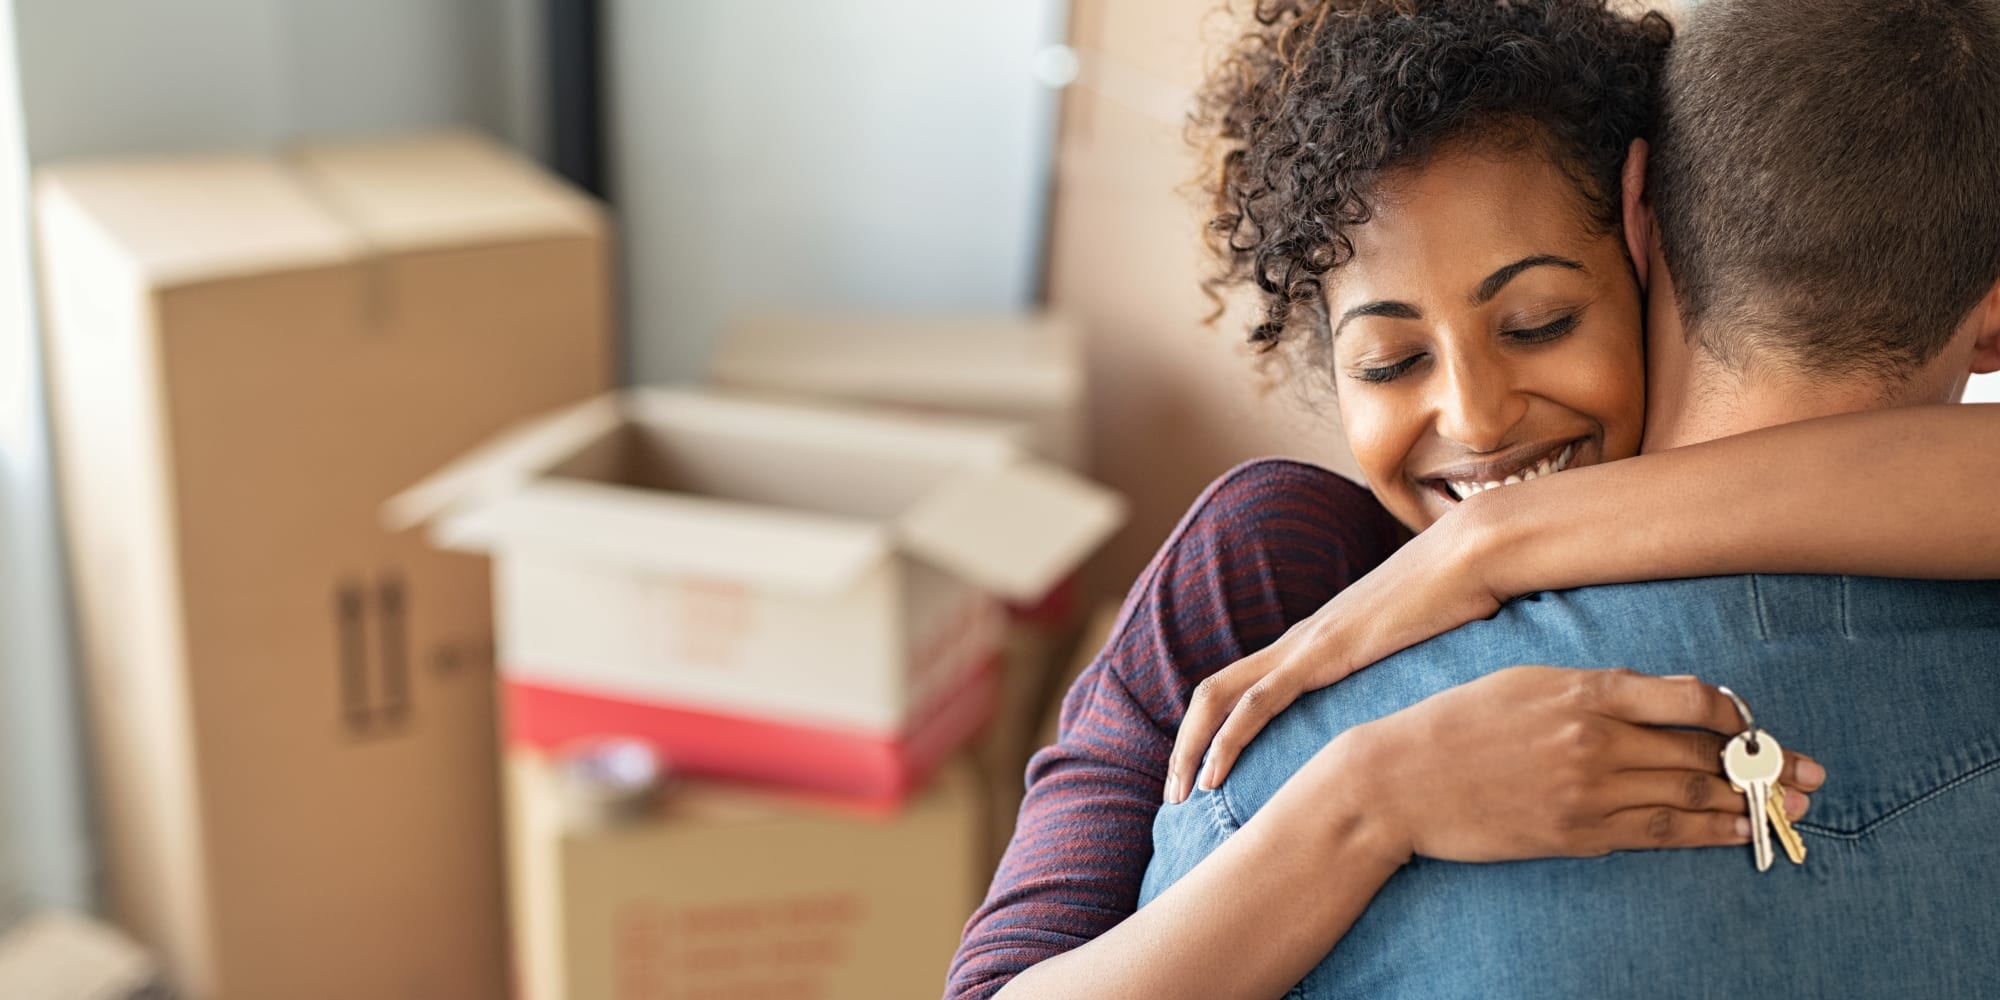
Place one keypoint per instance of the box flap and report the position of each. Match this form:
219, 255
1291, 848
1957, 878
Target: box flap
1015, 530
665, 533
441, 190
190, 219
949, 438
1002, 362
504, 463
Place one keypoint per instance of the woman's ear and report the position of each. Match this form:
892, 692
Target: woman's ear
1638, 212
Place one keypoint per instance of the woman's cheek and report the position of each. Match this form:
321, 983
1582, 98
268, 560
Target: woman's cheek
1605, 379
1380, 434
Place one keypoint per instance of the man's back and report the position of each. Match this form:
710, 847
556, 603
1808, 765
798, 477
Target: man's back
1893, 685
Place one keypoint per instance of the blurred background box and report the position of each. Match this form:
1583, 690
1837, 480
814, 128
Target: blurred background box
729, 892
1026, 368
60, 956
671, 560
290, 709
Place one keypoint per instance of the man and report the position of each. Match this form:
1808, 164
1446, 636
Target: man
1803, 143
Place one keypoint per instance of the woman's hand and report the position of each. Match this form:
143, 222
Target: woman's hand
1537, 762
1427, 588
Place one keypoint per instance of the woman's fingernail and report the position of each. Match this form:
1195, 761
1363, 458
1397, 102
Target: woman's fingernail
1743, 826
1810, 773
1679, 677
1796, 803
1167, 792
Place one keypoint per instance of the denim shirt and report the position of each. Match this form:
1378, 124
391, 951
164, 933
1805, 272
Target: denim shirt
1894, 685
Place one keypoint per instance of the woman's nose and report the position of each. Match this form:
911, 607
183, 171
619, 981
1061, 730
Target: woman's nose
1479, 407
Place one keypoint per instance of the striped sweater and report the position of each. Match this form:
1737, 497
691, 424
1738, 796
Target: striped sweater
1263, 547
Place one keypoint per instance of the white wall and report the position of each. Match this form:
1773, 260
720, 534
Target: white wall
866, 153
107, 77
115, 76
1983, 389
44, 857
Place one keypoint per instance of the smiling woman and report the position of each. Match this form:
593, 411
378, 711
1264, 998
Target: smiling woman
1488, 332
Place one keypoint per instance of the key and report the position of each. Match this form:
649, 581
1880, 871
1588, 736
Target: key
1795, 846
1753, 761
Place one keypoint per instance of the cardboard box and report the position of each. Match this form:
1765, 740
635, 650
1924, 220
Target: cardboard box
1024, 369
1174, 402
805, 565
59, 956
291, 710
729, 893
874, 770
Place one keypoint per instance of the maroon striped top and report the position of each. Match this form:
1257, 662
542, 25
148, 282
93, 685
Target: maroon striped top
1263, 547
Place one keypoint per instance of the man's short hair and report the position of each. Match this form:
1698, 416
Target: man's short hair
1827, 179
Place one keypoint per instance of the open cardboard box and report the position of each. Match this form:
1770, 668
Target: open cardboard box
827, 569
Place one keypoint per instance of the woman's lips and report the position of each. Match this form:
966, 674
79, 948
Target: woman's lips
1461, 485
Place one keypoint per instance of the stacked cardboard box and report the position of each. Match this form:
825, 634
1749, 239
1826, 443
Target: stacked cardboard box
1027, 370
726, 892
291, 709
798, 594
807, 596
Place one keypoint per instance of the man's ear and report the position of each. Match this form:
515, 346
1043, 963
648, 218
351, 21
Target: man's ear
1986, 342
1638, 211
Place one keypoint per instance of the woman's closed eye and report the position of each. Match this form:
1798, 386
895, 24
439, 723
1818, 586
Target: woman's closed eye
1546, 332
1388, 372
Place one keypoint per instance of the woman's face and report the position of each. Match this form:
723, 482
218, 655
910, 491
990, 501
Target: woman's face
1484, 332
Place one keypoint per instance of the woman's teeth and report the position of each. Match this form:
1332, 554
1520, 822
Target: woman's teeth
1554, 463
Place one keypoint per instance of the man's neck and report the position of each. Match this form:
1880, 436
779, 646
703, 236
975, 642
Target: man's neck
1692, 397
1718, 402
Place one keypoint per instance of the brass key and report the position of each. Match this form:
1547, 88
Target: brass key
1794, 845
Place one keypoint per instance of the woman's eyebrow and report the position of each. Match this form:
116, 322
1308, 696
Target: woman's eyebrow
1393, 310
1499, 279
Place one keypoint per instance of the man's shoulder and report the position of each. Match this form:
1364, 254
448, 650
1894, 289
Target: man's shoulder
1743, 630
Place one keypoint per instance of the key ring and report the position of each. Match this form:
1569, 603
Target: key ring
1743, 709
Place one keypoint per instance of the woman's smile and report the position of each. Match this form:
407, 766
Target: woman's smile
1486, 332
1518, 466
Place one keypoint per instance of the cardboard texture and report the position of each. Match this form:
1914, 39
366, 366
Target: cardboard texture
1024, 369
1174, 402
290, 708
58, 956
729, 893
806, 565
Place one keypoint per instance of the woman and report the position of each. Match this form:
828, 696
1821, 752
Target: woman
1385, 162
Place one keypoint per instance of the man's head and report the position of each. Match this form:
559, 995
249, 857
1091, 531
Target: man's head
1826, 178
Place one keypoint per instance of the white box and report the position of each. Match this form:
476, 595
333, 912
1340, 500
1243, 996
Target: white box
801, 563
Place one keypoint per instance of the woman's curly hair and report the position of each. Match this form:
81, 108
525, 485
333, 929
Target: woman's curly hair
1319, 98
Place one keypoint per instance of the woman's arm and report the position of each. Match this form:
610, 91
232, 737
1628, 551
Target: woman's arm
1264, 546
1910, 492
1530, 762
